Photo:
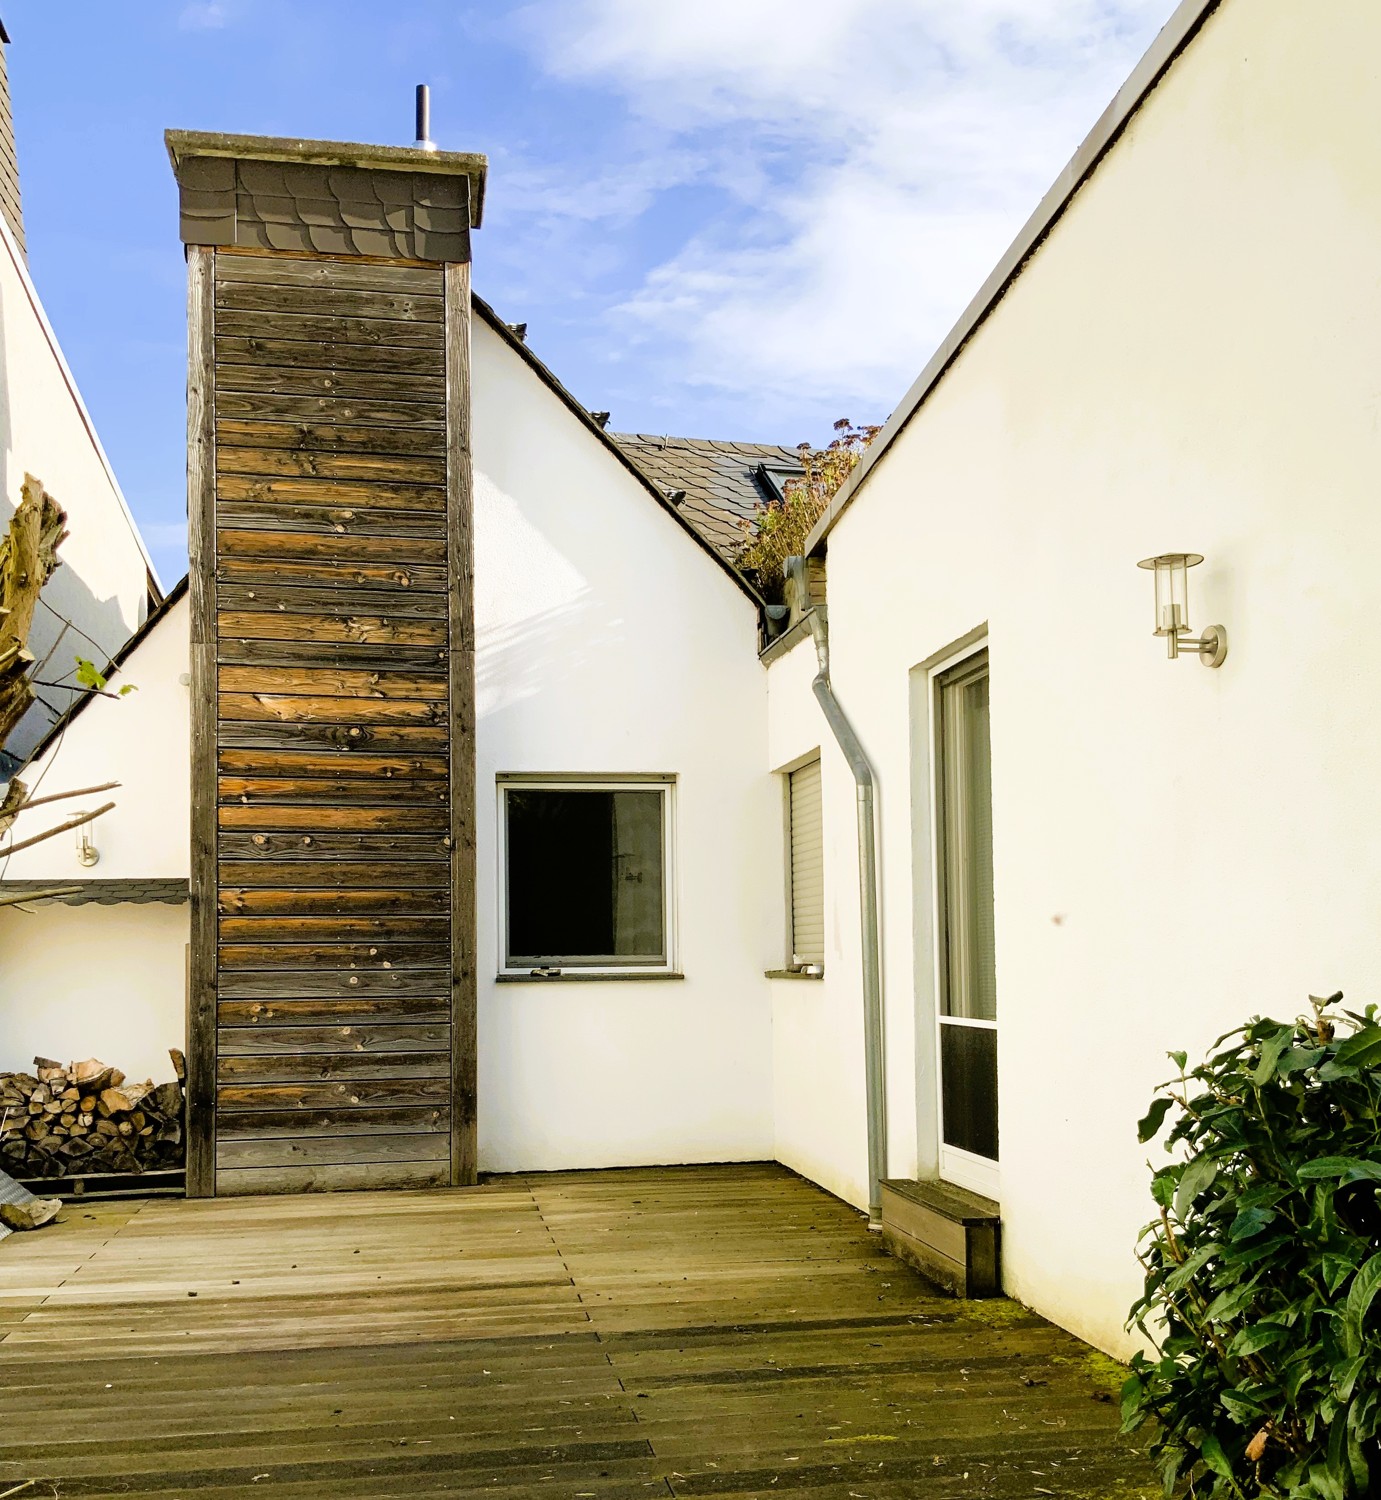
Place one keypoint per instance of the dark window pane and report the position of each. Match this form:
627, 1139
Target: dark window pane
968, 1072
585, 881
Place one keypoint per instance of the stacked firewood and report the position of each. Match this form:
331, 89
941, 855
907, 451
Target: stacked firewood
87, 1117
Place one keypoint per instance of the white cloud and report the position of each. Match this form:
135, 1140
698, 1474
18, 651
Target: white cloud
882, 154
203, 15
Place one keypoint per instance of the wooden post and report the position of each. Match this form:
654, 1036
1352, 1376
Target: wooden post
201, 545
460, 545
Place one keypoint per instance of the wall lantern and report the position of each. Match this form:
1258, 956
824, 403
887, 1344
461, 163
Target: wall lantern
1172, 609
87, 852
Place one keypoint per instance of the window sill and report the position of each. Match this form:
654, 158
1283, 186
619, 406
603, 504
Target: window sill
576, 976
794, 974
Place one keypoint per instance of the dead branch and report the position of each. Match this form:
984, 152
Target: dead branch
52, 833
68, 890
11, 802
28, 556
84, 791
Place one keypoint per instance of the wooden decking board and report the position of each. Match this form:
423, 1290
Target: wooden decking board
723, 1331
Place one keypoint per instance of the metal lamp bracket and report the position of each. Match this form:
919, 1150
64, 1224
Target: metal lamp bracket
1212, 645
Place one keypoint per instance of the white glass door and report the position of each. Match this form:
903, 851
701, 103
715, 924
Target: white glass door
967, 987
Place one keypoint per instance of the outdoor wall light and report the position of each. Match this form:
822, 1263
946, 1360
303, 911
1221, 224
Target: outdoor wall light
87, 852
1172, 609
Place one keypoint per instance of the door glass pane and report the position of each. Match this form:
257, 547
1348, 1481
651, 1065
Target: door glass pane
968, 1072
970, 988
585, 877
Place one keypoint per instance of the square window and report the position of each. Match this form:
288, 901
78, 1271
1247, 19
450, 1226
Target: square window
586, 877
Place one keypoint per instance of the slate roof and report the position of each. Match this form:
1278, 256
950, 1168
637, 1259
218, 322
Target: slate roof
723, 482
326, 197
103, 892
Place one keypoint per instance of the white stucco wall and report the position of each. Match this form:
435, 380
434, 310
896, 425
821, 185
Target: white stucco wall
819, 1103
94, 981
141, 741
108, 981
608, 642
45, 430
1189, 362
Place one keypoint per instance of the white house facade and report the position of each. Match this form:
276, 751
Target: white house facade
1087, 853
1184, 360
615, 648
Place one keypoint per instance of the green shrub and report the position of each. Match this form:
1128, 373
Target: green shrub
1262, 1266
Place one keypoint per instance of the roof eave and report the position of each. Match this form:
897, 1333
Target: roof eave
1159, 58
474, 165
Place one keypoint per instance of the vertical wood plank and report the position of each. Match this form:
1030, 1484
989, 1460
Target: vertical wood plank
460, 540
201, 540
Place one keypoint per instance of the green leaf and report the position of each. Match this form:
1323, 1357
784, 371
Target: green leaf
1354, 1168
1163, 1188
1241, 1406
88, 676
1362, 1049
1214, 1457
1336, 1270
1182, 1275
1270, 1054
1249, 1222
1179, 1059
1359, 1300
1258, 1336
128, 688
1149, 1125
1198, 1175
1345, 1376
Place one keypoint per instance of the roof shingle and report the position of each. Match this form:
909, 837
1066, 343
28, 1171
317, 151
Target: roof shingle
722, 481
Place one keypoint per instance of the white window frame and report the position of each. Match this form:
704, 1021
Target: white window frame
794, 964
557, 782
963, 1168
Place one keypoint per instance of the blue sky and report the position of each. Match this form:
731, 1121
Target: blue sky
727, 218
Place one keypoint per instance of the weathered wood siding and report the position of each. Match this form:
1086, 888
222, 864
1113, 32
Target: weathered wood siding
335, 594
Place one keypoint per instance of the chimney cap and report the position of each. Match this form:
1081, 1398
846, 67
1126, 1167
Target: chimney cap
185, 144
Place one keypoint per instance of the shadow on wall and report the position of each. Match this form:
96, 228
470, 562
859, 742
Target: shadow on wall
98, 628
517, 661
542, 630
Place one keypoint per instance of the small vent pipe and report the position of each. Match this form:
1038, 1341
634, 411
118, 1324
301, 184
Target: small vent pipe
424, 141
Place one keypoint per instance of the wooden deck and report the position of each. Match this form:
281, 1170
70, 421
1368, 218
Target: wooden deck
720, 1331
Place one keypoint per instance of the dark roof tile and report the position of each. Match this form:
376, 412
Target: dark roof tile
720, 479
102, 892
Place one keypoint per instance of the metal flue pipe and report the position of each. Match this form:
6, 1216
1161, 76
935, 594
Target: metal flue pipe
424, 140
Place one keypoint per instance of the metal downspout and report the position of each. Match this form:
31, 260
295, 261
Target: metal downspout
854, 753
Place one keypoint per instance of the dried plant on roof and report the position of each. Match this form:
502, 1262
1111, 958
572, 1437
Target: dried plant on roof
779, 528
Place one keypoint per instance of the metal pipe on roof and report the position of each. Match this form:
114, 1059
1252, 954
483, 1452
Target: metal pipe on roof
424, 140
864, 783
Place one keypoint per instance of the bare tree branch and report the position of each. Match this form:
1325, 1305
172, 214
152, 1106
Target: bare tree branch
84, 791
27, 896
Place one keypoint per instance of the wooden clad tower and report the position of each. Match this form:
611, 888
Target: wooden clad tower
332, 971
